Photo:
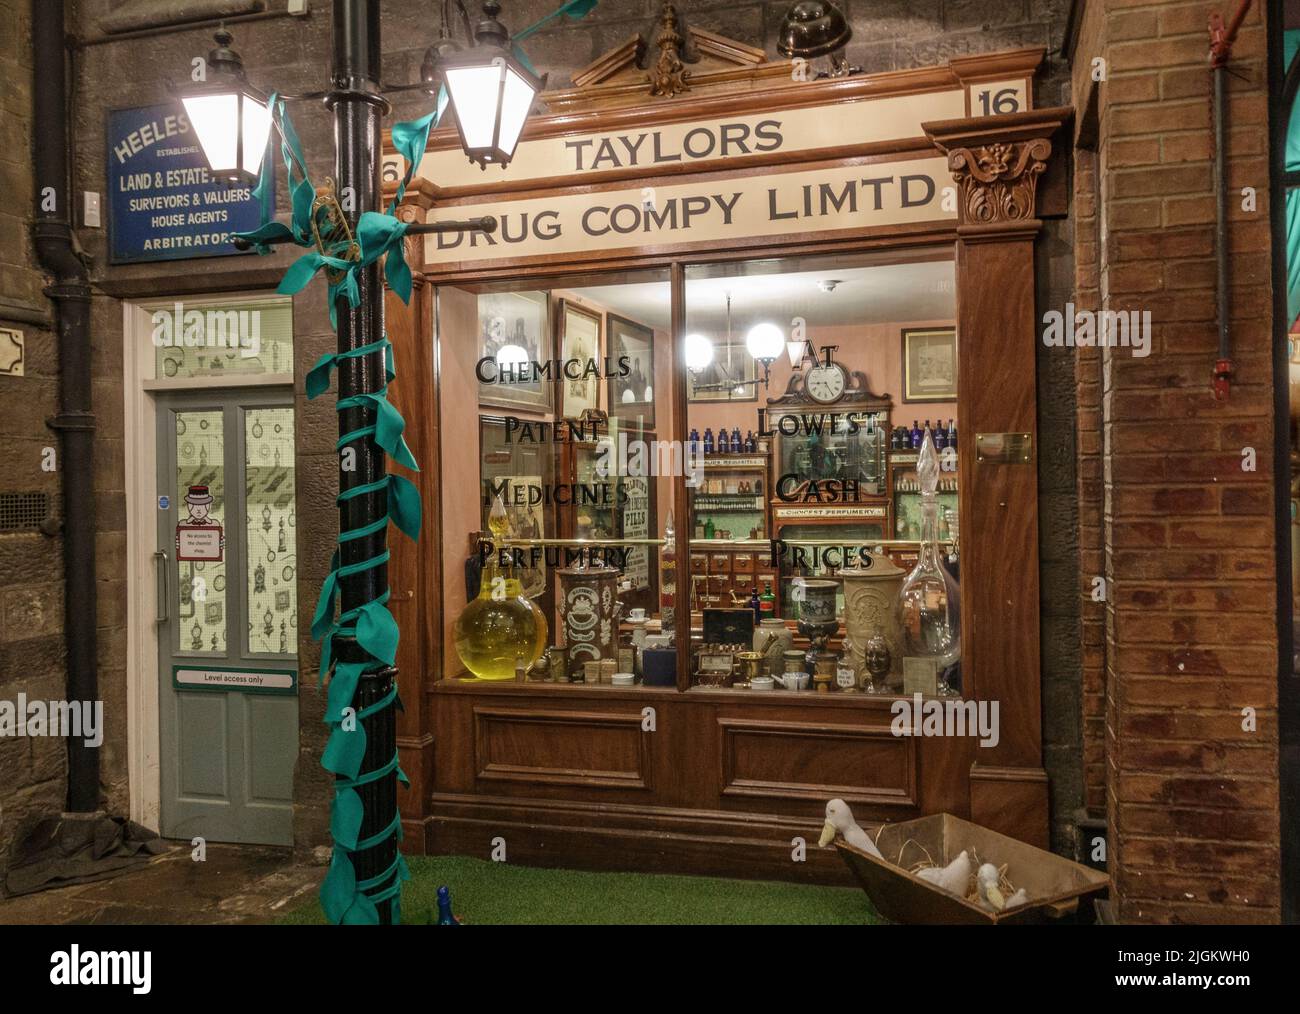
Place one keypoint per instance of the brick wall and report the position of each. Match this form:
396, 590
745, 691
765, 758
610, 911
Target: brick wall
1183, 535
31, 587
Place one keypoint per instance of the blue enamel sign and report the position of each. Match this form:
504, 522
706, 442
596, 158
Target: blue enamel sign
162, 204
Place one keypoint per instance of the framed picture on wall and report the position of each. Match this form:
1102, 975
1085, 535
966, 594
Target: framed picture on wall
631, 396
930, 364
520, 324
730, 377
580, 340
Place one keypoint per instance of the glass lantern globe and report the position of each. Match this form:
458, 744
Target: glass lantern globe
230, 118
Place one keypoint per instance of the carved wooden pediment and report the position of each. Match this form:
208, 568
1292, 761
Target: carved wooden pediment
669, 60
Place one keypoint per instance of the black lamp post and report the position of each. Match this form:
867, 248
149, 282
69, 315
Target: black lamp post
491, 94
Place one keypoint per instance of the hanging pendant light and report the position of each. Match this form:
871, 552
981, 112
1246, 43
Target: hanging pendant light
490, 90
229, 117
699, 352
764, 342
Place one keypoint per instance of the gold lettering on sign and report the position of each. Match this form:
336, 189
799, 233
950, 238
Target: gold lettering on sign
998, 181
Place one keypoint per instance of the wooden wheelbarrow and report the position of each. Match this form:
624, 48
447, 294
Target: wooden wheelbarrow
1055, 885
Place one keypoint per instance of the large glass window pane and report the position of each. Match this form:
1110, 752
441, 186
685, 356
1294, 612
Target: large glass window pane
270, 522
569, 384
812, 385
201, 501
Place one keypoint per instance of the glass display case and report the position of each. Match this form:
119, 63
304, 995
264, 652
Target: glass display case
847, 446
731, 500
907, 495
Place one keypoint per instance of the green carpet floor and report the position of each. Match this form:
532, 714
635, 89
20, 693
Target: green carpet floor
485, 893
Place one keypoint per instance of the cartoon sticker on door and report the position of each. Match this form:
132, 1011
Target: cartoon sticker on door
199, 536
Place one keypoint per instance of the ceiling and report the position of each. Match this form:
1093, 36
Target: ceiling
864, 295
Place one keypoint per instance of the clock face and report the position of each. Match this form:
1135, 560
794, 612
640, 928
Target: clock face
826, 383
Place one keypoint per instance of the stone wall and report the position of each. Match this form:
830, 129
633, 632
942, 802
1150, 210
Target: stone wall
32, 769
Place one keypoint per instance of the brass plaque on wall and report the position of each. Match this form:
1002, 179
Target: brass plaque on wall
1004, 448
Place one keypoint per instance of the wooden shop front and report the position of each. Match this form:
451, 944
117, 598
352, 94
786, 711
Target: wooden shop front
890, 218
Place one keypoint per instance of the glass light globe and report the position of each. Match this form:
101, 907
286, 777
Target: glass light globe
765, 341
699, 352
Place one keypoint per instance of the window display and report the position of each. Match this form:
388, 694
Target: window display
805, 506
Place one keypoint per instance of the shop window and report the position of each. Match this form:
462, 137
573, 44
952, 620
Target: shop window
568, 383
813, 383
809, 387
206, 339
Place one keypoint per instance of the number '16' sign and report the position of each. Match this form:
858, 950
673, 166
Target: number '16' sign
995, 98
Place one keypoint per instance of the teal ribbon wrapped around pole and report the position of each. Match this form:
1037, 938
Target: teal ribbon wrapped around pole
344, 898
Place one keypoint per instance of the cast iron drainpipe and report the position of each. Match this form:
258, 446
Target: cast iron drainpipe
1221, 41
70, 291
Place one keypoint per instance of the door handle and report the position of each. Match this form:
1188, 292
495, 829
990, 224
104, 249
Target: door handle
166, 611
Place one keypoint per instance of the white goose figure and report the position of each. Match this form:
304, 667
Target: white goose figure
954, 878
840, 818
990, 895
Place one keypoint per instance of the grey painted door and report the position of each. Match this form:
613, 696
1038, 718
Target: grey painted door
227, 632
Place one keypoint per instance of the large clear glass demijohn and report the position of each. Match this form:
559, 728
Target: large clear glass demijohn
502, 631
929, 606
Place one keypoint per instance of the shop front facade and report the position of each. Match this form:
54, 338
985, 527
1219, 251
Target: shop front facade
626, 235
586, 371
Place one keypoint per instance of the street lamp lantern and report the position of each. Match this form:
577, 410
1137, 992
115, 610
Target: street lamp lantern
490, 90
230, 118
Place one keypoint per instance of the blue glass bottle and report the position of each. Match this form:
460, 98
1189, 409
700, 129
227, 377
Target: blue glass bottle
445, 918
708, 440
694, 440
737, 445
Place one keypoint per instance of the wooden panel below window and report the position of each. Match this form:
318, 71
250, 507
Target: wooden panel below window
585, 749
807, 760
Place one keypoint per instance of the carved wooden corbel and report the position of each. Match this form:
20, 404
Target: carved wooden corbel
996, 162
998, 181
